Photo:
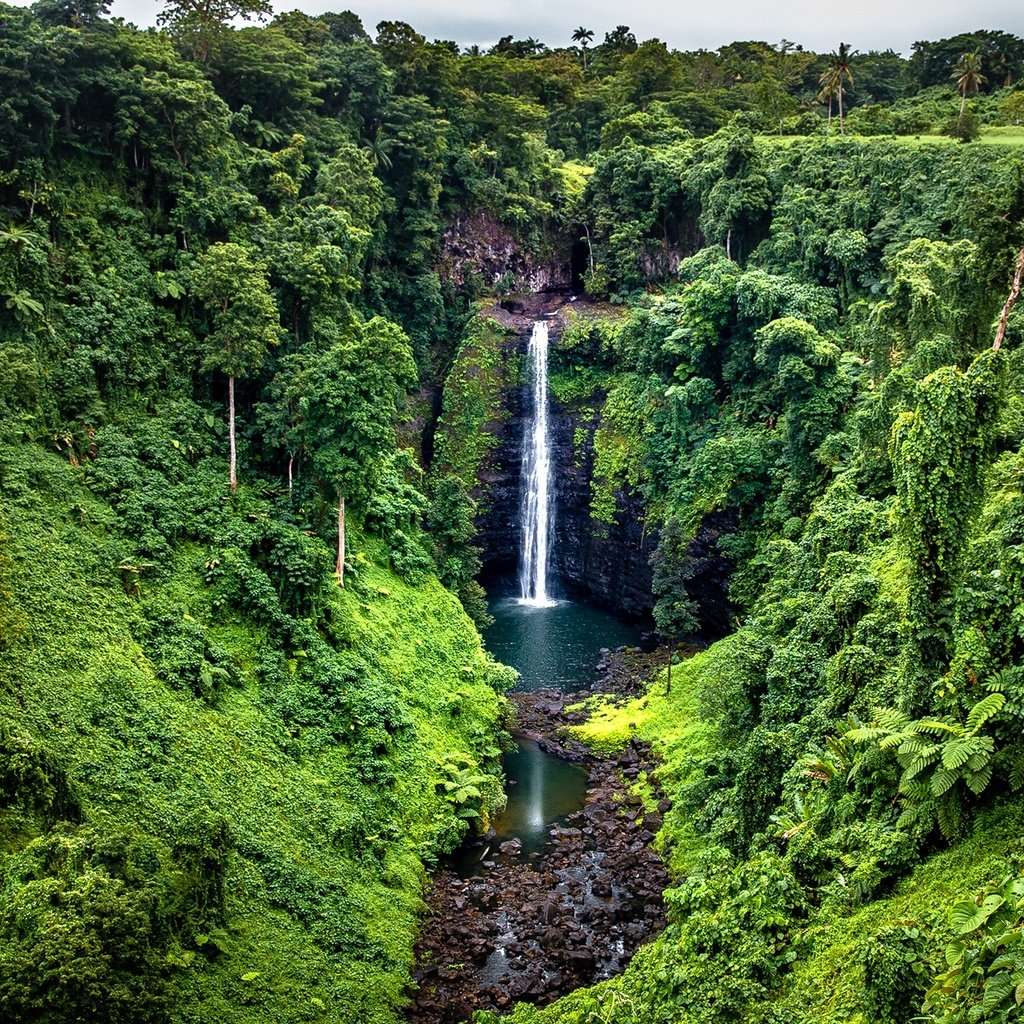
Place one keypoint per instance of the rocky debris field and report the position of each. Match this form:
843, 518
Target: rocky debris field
532, 929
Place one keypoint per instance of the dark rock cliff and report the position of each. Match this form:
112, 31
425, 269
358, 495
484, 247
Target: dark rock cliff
606, 563
476, 248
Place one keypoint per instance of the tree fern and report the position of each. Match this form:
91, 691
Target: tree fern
936, 756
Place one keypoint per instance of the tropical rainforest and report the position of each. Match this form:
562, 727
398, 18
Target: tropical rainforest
247, 385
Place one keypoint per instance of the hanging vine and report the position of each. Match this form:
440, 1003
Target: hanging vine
940, 453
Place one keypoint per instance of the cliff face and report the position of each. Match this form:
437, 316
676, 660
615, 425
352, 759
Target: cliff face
608, 563
476, 247
605, 563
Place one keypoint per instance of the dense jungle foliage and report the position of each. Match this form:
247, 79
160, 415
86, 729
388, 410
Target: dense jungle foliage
245, 392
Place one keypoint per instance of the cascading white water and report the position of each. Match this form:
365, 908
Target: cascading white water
537, 511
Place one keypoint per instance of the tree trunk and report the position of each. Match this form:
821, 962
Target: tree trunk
842, 125
590, 248
339, 569
1010, 303
291, 460
232, 476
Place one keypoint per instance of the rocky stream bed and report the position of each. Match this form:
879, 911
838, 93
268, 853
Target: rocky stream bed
531, 928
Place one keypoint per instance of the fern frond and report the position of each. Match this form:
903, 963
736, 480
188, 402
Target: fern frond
916, 765
981, 754
1006, 680
950, 815
978, 780
957, 752
867, 734
917, 815
915, 789
895, 739
944, 781
909, 749
936, 727
986, 708
1017, 772
892, 720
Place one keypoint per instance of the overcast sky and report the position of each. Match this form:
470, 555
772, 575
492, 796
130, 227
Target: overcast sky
865, 25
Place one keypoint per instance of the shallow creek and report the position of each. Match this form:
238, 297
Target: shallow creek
564, 887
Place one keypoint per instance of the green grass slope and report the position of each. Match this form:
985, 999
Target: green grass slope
212, 808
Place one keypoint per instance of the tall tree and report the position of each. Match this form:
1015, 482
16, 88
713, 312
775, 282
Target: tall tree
583, 36
833, 78
199, 23
76, 13
348, 399
232, 285
969, 79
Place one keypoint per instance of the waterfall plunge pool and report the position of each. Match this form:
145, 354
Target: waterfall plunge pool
556, 645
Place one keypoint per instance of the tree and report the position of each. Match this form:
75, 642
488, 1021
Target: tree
940, 454
76, 13
648, 71
931, 62
621, 40
675, 611
782, 69
832, 79
969, 78
583, 36
348, 399
232, 285
201, 22
1013, 106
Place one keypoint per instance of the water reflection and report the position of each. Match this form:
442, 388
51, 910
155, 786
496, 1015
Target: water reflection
545, 790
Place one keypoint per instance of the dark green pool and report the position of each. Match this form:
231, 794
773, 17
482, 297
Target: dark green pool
545, 789
554, 646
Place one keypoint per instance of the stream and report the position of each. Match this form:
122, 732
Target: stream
563, 887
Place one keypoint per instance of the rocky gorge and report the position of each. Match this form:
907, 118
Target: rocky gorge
504, 927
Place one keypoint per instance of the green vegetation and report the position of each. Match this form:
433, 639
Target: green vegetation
249, 388
821, 387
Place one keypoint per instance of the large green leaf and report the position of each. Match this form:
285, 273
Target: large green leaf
997, 990
968, 917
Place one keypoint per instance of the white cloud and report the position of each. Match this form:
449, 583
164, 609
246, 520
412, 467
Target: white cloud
869, 24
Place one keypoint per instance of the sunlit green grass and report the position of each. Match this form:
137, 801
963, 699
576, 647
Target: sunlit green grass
1007, 135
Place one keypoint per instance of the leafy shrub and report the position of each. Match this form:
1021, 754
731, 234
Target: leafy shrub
895, 973
89, 913
984, 981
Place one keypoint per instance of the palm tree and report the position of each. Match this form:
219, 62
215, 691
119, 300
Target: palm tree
583, 36
377, 147
827, 93
832, 78
968, 79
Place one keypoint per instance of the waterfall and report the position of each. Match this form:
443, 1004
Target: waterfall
537, 512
